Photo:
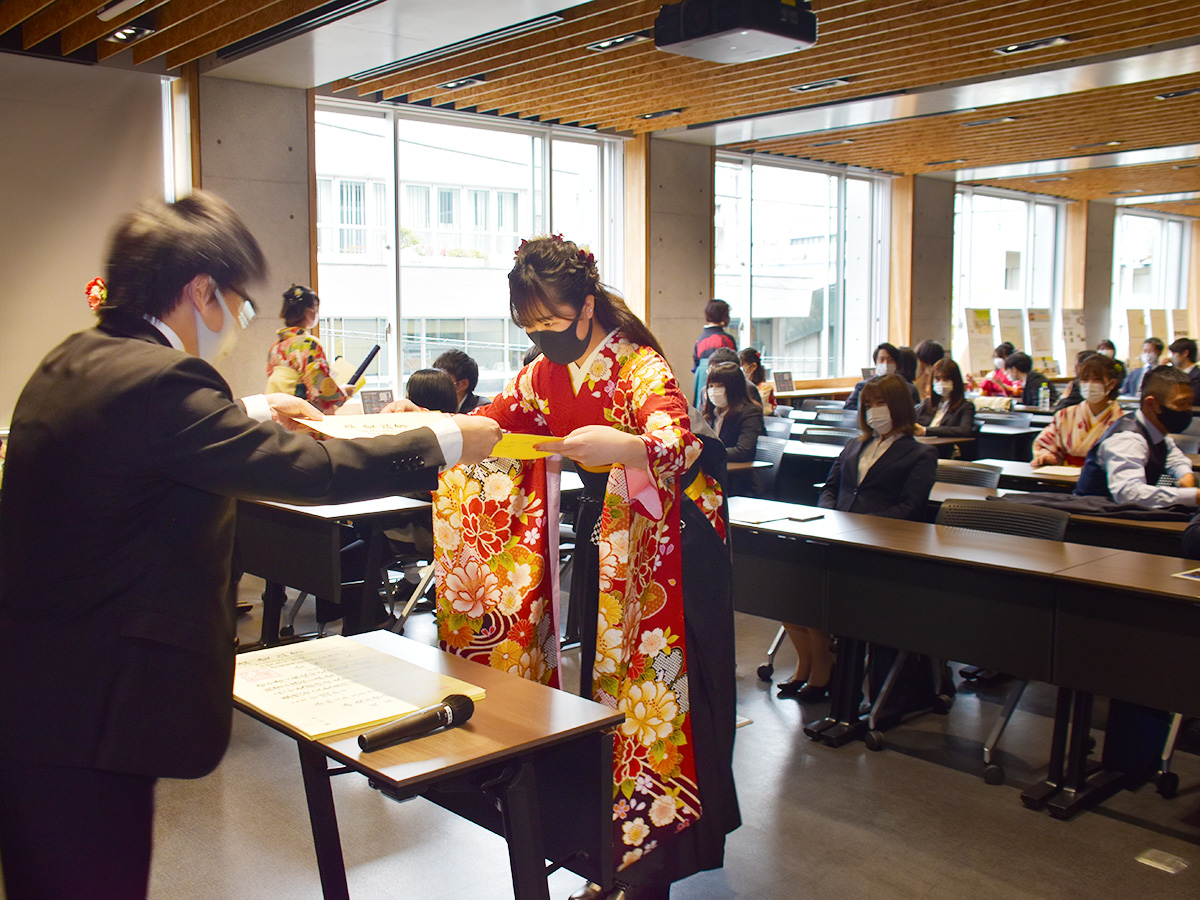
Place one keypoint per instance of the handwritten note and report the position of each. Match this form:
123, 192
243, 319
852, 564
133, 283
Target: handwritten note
334, 685
371, 426
521, 446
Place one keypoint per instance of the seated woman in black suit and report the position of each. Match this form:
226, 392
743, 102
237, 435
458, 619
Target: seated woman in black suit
731, 412
883, 472
945, 413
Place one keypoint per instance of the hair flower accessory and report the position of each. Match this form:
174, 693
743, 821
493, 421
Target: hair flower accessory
97, 293
587, 258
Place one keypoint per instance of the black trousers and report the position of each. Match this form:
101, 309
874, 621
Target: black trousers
74, 833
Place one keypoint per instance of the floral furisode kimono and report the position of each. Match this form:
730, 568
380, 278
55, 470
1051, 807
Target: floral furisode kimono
297, 356
496, 528
1073, 431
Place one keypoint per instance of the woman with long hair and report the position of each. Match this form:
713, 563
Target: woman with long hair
731, 413
751, 362
656, 597
945, 412
296, 362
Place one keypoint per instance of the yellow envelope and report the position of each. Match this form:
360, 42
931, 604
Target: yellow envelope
521, 446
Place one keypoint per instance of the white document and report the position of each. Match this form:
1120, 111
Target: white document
371, 426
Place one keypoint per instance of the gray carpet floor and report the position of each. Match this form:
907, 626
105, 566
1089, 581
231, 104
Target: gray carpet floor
915, 820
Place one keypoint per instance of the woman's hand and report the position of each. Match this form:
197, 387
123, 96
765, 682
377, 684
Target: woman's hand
1041, 458
919, 430
601, 445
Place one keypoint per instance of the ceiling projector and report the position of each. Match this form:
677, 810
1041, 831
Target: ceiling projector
735, 31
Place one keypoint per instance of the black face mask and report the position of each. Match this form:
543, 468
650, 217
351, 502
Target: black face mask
563, 347
1175, 421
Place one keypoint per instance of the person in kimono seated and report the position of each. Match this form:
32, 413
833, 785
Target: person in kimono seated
651, 571
1076, 428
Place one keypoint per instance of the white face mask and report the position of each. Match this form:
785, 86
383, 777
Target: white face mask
879, 419
716, 396
1109, 353
214, 346
943, 388
1150, 359
997, 364
1092, 391
885, 368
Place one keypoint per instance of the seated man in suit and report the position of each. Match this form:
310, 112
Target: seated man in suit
1152, 350
126, 457
1127, 462
1183, 357
465, 372
1020, 370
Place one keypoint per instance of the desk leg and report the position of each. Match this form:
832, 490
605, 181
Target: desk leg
323, 819
844, 722
1082, 790
517, 798
366, 616
1035, 796
274, 597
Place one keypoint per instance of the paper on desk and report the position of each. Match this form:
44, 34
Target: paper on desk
334, 685
1069, 471
372, 425
521, 446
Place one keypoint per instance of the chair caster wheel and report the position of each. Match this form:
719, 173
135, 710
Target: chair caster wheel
287, 631
765, 672
993, 775
874, 740
941, 704
1167, 784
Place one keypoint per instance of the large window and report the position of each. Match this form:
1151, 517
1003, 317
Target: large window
800, 258
1008, 261
1149, 274
419, 215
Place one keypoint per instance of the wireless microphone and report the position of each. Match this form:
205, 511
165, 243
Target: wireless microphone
453, 710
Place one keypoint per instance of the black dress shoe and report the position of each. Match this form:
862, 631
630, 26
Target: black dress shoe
791, 688
811, 693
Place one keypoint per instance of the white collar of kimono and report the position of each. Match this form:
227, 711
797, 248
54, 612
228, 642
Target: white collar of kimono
579, 370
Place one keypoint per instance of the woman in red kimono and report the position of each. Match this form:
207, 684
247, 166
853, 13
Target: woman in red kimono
656, 598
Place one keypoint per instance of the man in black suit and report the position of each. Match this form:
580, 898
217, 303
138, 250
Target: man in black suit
464, 372
117, 519
1183, 357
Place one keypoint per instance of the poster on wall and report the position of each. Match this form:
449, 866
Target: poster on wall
979, 340
1074, 333
1179, 324
1012, 327
1158, 325
1041, 341
1136, 321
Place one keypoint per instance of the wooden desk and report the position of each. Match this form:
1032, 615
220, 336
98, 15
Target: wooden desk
300, 547
747, 465
531, 765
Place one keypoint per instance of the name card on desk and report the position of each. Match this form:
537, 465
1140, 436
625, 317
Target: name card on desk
335, 685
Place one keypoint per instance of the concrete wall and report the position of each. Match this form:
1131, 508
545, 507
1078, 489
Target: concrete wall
1098, 271
254, 153
79, 146
932, 259
680, 253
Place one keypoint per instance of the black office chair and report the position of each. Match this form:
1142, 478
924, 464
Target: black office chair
953, 471
1187, 443
769, 449
777, 426
837, 418
1003, 518
1013, 419
837, 436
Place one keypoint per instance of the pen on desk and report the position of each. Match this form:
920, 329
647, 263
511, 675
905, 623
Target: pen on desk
806, 518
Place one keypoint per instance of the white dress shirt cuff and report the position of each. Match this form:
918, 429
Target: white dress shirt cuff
449, 438
257, 407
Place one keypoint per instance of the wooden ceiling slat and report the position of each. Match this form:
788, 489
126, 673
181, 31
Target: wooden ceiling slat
1103, 184
87, 30
54, 18
14, 12
191, 21
260, 20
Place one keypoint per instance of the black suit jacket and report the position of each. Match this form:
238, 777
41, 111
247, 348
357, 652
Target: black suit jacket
897, 486
116, 531
740, 431
1033, 383
957, 422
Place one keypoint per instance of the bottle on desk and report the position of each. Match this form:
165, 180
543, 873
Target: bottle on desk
1044, 397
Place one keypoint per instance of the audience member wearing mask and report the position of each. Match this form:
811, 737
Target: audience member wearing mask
1076, 428
1073, 396
883, 472
752, 367
945, 413
997, 383
1109, 349
1127, 462
1183, 357
887, 361
1021, 372
1152, 351
732, 413
927, 353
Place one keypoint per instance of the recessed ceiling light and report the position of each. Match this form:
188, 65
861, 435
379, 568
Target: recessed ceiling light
129, 34
660, 114
945, 162
1045, 180
624, 40
997, 121
818, 85
1128, 191
1094, 146
457, 83
833, 143
1172, 95
1025, 46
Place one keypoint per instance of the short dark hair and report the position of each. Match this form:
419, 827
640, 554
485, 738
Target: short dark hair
891, 351
458, 365
1003, 349
297, 301
717, 312
1160, 380
432, 389
1156, 343
159, 247
906, 363
894, 391
1019, 361
722, 355
929, 352
751, 357
1185, 345
947, 368
1106, 344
